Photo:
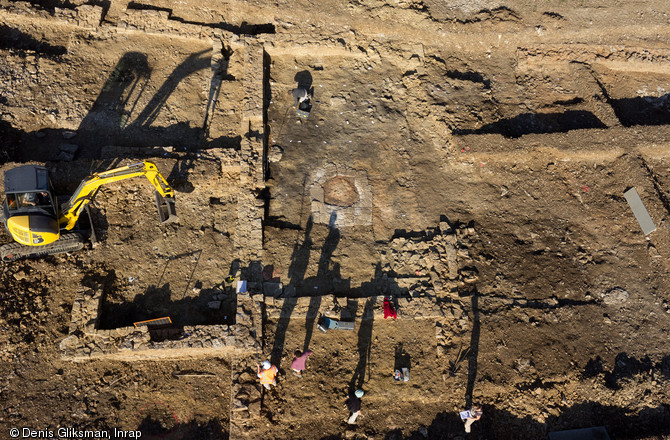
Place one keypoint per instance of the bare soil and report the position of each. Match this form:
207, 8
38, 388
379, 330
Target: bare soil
523, 122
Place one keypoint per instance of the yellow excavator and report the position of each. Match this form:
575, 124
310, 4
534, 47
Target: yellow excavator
41, 226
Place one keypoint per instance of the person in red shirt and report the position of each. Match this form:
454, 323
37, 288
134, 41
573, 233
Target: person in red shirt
299, 360
389, 310
267, 375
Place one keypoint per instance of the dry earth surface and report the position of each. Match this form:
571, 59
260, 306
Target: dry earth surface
473, 154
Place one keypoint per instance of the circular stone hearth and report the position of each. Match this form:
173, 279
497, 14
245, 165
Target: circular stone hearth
341, 196
340, 191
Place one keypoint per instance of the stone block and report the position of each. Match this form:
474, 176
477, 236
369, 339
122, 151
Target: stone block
316, 192
89, 327
70, 343
640, 211
230, 341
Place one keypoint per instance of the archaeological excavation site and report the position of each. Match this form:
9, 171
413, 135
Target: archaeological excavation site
448, 203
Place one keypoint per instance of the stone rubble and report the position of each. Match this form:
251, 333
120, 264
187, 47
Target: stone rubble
435, 266
435, 293
87, 341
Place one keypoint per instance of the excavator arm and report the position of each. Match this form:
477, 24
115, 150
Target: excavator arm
89, 187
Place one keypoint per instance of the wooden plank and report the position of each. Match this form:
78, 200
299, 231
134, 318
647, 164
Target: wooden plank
155, 323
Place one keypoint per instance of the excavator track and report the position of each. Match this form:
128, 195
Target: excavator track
69, 242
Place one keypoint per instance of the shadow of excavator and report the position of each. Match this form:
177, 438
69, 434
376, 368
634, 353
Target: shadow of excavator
122, 117
115, 117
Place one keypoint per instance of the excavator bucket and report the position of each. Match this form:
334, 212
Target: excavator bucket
166, 209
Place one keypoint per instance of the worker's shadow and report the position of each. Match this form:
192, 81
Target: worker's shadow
296, 273
402, 358
474, 348
325, 276
179, 175
120, 117
304, 80
364, 345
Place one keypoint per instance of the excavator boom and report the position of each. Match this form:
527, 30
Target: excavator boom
88, 188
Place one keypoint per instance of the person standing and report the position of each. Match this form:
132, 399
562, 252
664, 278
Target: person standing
267, 375
299, 361
475, 414
354, 406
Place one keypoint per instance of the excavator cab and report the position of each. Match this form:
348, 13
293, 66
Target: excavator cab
29, 210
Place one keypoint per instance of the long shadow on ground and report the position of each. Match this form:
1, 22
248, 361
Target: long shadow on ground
650, 423
529, 123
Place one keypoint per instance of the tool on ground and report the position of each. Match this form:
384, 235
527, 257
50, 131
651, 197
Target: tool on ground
191, 373
454, 366
41, 225
401, 375
326, 324
155, 324
304, 108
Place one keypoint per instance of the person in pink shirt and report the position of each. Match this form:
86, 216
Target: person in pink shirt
299, 361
